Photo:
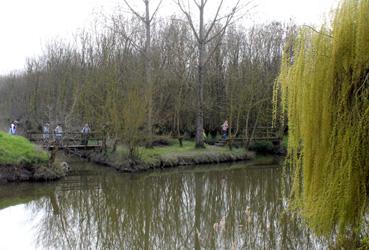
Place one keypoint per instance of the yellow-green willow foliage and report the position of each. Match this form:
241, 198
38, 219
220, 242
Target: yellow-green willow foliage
324, 90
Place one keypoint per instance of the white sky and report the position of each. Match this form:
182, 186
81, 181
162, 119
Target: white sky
26, 26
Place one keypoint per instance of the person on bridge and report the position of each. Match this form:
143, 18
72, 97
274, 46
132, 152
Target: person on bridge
46, 133
85, 134
58, 134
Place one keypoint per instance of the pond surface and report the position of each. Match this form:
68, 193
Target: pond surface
239, 206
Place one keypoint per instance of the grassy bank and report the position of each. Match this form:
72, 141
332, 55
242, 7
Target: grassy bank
171, 156
18, 150
20, 160
173, 153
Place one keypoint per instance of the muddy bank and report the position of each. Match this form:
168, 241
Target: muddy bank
28, 172
172, 161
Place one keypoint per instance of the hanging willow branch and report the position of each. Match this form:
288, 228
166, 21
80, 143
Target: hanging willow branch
319, 32
325, 95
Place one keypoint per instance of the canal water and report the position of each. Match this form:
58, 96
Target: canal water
238, 206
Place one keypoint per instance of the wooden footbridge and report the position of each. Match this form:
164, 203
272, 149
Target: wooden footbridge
70, 142
270, 134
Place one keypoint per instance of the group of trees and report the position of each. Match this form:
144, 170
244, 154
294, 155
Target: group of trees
139, 75
113, 78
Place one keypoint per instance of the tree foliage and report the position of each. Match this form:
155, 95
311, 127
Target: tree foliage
325, 93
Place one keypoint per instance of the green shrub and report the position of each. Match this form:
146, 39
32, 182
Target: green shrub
163, 140
364, 244
263, 147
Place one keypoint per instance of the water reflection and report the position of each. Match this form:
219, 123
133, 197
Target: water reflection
242, 208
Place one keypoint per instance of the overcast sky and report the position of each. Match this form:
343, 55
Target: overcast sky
27, 25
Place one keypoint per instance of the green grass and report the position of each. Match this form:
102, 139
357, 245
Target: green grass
17, 149
188, 148
172, 152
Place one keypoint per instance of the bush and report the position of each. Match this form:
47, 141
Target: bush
263, 147
163, 141
364, 244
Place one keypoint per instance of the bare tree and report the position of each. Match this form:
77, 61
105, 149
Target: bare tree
147, 20
204, 35
91, 80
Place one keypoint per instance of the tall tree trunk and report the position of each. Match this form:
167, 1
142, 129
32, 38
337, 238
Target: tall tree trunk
148, 77
203, 37
200, 83
146, 19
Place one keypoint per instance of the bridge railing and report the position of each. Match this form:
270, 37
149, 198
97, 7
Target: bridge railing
261, 133
67, 138
271, 134
266, 133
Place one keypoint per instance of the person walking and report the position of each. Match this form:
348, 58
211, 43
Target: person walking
224, 130
58, 134
46, 133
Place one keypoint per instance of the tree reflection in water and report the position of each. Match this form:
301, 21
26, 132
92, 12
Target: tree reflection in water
210, 208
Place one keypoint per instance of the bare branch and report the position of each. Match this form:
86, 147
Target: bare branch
189, 19
134, 12
126, 36
229, 19
221, 31
214, 49
217, 34
197, 4
313, 29
156, 10
214, 20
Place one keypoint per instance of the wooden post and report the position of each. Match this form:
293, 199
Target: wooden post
54, 149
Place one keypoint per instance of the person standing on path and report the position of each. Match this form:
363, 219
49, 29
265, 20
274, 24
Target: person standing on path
13, 128
224, 130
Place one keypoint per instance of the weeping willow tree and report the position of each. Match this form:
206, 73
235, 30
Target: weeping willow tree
324, 90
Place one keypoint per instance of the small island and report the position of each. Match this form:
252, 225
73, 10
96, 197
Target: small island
171, 155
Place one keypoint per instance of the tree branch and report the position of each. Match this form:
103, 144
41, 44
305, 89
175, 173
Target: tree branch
197, 4
126, 36
313, 29
189, 19
215, 20
156, 10
134, 12
213, 50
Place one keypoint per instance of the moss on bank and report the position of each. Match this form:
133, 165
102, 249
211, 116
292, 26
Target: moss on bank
18, 150
171, 156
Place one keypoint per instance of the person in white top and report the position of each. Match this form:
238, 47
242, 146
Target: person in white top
46, 132
58, 134
13, 128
